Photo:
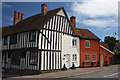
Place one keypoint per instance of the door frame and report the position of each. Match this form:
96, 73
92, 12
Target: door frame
101, 60
69, 61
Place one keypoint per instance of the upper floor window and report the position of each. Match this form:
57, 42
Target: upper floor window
13, 39
74, 42
32, 36
87, 57
87, 44
94, 57
75, 57
5, 40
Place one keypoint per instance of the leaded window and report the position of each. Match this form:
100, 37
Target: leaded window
33, 58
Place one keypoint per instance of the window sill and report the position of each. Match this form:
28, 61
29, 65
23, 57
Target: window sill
74, 61
87, 61
74, 46
93, 61
33, 64
31, 40
87, 47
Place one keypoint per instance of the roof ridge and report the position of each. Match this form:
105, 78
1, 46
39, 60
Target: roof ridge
82, 28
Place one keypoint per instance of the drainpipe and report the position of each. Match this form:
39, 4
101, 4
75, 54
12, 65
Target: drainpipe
99, 50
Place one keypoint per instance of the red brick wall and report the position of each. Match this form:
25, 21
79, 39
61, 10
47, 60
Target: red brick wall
94, 49
106, 53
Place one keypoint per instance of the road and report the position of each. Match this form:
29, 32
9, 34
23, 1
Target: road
108, 73
95, 73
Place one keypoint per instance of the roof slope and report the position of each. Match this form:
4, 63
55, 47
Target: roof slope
30, 23
105, 45
85, 33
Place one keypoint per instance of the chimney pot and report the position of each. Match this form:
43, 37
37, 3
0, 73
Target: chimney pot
22, 15
15, 14
19, 15
43, 9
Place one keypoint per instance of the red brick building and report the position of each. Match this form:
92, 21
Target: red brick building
91, 51
89, 48
105, 54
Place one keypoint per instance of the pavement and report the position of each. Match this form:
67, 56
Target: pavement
70, 73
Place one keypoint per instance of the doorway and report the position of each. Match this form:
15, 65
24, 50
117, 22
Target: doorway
101, 60
67, 60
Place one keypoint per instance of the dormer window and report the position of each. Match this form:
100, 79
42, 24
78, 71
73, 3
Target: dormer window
5, 40
32, 36
13, 39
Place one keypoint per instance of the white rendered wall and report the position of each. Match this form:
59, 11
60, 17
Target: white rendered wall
67, 48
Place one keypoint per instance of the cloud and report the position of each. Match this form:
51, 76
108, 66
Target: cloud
107, 29
5, 5
96, 13
99, 23
96, 8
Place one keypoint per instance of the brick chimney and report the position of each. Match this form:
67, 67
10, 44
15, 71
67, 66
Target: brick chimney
17, 17
43, 9
73, 21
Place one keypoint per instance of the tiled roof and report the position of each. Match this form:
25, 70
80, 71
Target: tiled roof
30, 23
85, 33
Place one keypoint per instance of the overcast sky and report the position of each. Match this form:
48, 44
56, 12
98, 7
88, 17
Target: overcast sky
100, 17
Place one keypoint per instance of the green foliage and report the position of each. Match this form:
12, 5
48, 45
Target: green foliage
98, 62
106, 62
83, 63
92, 63
117, 53
111, 42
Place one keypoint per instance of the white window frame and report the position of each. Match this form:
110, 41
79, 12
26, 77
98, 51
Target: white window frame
74, 57
87, 41
74, 42
88, 58
93, 57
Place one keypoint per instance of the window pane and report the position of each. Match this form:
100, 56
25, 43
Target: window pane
13, 39
73, 42
5, 40
33, 58
32, 36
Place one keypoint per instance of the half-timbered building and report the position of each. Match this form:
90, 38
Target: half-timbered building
44, 41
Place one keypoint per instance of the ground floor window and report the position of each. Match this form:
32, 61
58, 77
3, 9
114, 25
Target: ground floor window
74, 57
33, 58
15, 58
87, 57
94, 57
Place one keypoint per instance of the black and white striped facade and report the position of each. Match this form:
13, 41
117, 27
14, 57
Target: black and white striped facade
52, 42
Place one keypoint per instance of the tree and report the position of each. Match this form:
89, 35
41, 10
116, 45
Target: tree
111, 42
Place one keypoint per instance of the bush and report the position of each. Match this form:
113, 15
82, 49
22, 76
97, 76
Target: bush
73, 66
106, 62
98, 63
92, 63
83, 64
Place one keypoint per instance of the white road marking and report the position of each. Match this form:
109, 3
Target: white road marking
112, 74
